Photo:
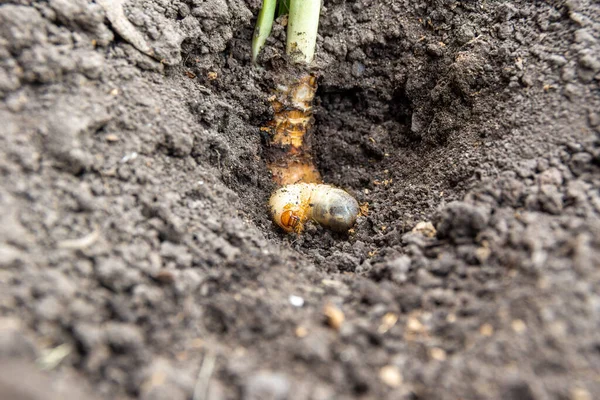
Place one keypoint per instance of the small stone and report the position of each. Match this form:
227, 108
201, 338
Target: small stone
438, 354
129, 157
482, 254
335, 317
414, 325
387, 322
296, 301
391, 376
425, 228
580, 394
518, 326
267, 386
486, 330
301, 332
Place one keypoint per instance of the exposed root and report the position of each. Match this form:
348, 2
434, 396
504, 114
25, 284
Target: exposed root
290, 158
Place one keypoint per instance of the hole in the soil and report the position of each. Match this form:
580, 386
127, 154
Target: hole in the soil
335, 99
215, 320
400, 108
360, 109
359, 126
361, 388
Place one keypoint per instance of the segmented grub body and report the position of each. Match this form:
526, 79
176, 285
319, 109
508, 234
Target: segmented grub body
303, 197
293, 205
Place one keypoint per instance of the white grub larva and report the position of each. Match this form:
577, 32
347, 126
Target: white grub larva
293, 205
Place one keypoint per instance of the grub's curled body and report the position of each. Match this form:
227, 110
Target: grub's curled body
293, 205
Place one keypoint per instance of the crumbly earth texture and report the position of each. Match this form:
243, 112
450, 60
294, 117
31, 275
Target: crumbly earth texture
137, 257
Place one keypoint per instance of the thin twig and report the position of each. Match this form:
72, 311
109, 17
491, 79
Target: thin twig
203, 381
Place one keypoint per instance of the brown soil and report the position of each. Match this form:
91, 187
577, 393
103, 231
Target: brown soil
137, 258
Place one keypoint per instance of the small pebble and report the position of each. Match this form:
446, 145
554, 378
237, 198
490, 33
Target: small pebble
425, 228
414, 325
301, 331
391, 376
129, 157
580, 394
518, 326
387, 322
267, 385
438, 354
296, 301
335, 316
486, 330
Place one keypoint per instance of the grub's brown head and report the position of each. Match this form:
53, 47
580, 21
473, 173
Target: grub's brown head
287, 209
290, 220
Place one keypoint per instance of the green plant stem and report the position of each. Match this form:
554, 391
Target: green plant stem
283, 7
303, 23
263, 27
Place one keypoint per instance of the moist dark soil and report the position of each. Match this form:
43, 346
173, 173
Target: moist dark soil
138, 259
